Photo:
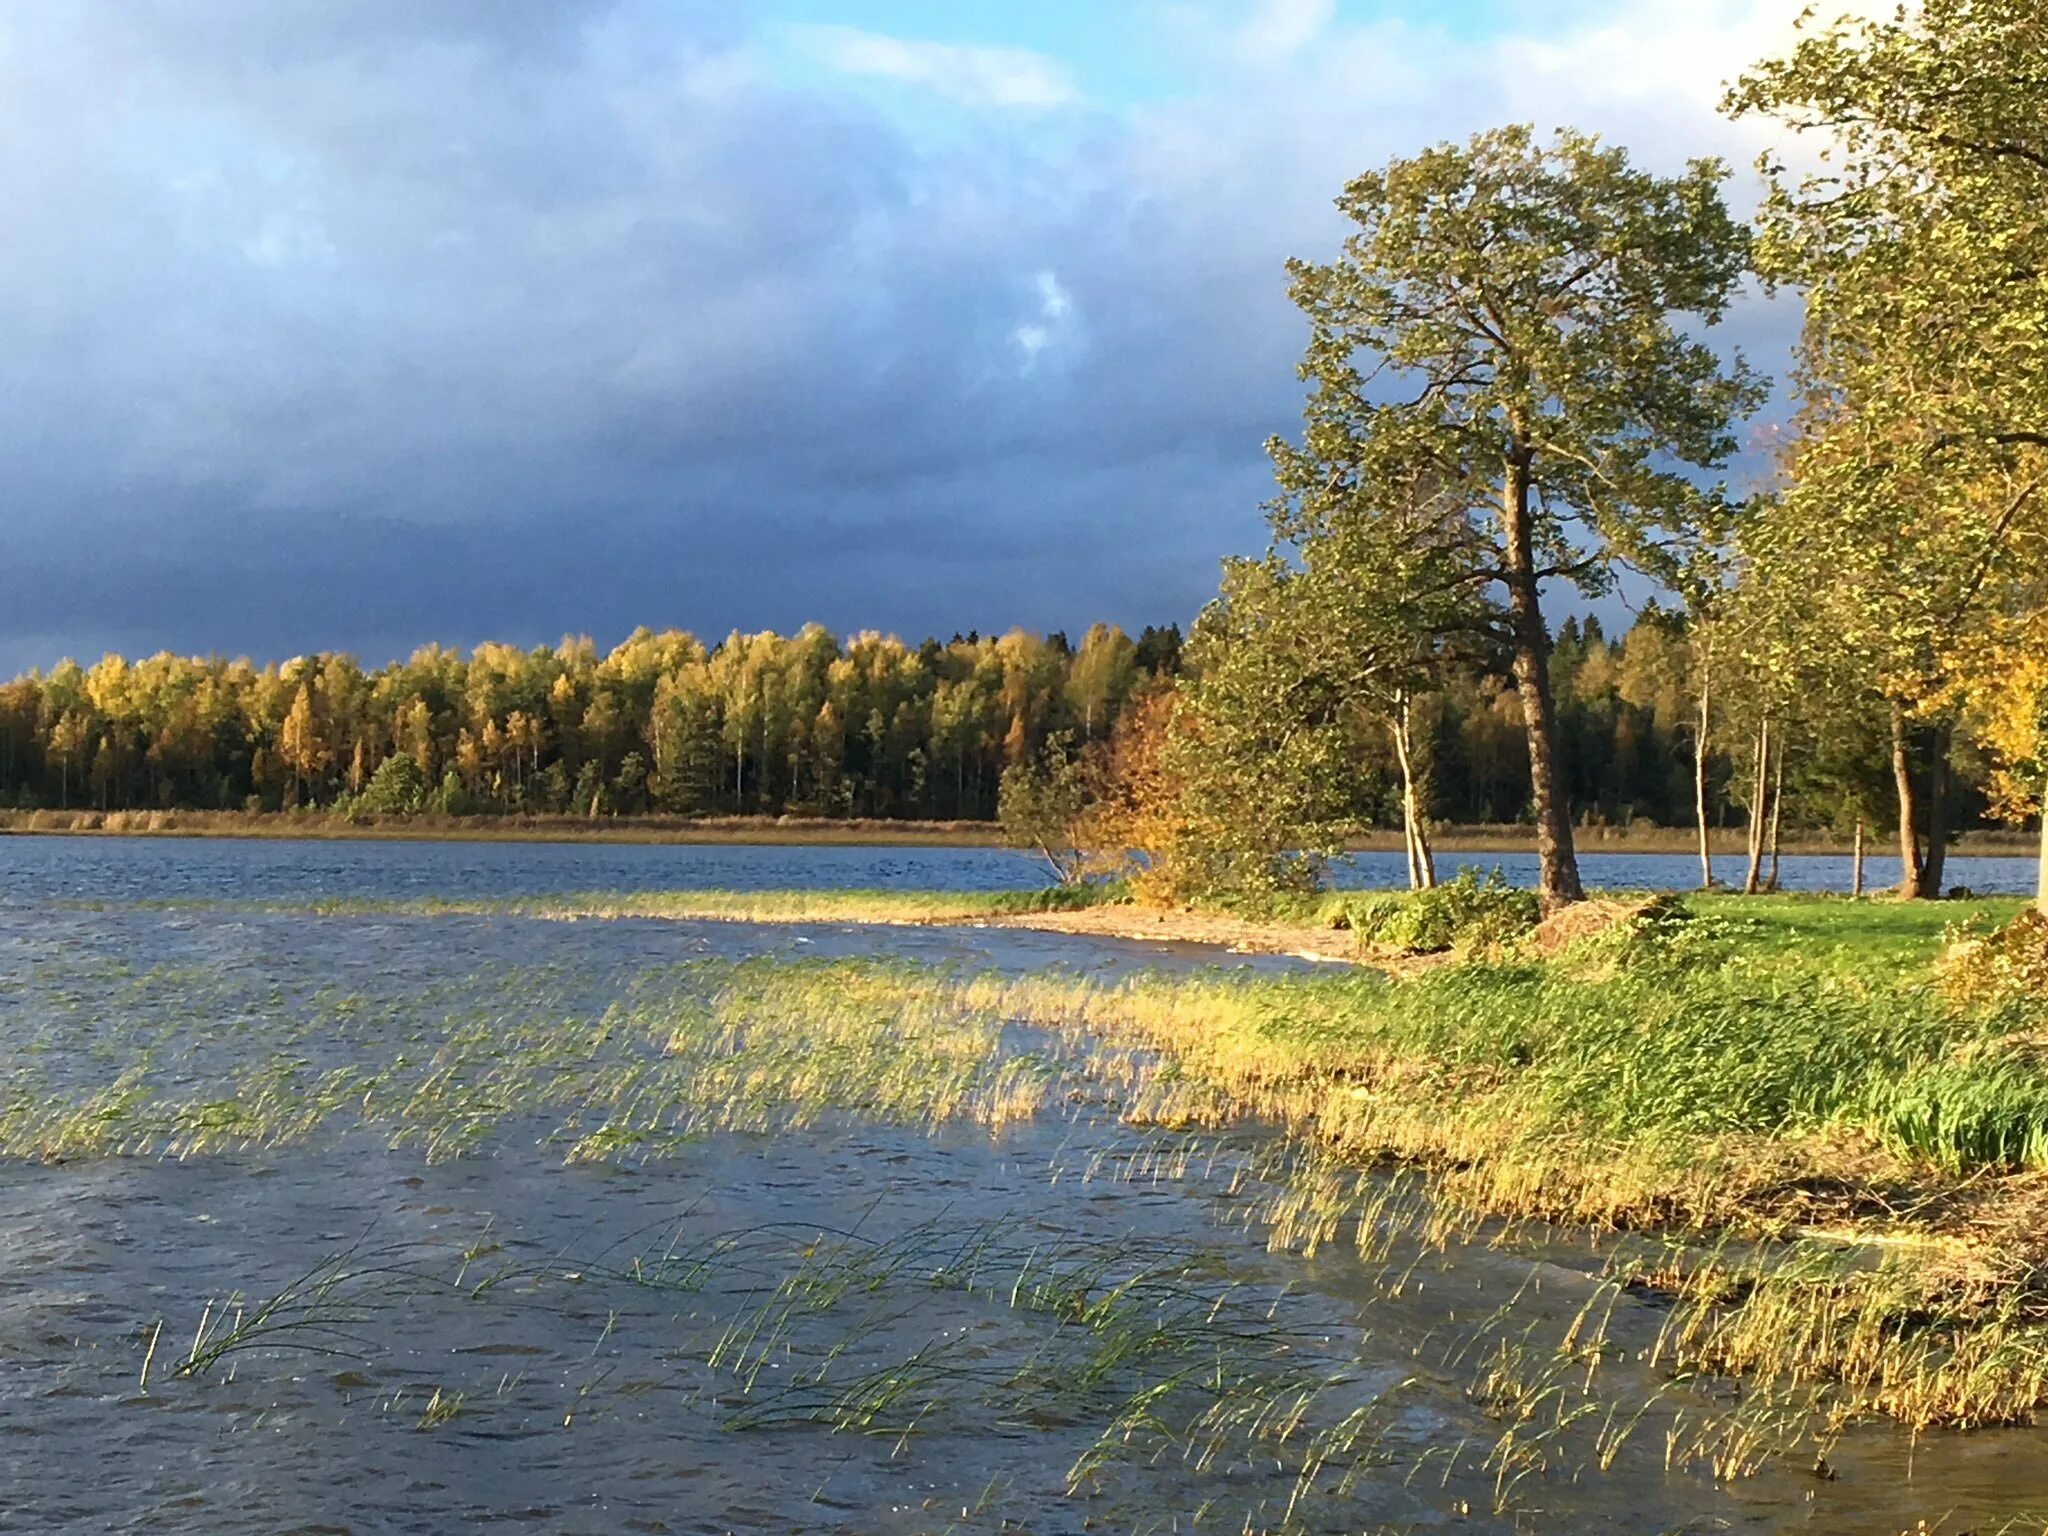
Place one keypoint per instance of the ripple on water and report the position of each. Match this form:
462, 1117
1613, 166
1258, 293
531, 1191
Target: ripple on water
853, 1326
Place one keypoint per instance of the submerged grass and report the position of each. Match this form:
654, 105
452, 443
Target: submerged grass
881, 907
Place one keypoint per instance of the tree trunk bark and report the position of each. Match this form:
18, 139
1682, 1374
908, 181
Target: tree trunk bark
1558, 878
1421, 865
1777, 808
1699, 779
1931, 872
1856, 864
1759, 807
2041, 880
1910, 888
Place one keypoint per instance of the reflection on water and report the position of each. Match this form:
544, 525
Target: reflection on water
907, 1320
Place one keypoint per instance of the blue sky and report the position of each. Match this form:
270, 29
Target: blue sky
363, 323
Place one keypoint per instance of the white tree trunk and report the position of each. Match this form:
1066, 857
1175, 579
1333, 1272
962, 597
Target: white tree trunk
1759, 808
1777, 809
1421, 863
1699, 780
2041, 884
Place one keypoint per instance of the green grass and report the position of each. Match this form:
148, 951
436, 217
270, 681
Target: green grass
1836, 934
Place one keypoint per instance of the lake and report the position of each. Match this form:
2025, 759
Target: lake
101, 867
410, 1223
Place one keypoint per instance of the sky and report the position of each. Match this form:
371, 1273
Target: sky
357, 324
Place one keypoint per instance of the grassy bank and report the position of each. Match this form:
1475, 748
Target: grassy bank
1772, 1111
1850, 1170
871, 832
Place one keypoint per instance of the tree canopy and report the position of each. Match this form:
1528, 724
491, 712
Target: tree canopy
1510, 332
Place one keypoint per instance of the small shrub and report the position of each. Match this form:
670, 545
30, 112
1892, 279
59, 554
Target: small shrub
1068, 898
397, 788
1984, 969
1664, 933
1463, 913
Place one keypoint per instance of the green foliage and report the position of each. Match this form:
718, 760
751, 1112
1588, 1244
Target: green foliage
1501, 284
1462, 913
1042, 807
1988, 1112
1903, 558
397, 788
451, 798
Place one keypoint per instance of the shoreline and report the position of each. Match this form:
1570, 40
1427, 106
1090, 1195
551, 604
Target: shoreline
920, 909
1234, 935
785, 831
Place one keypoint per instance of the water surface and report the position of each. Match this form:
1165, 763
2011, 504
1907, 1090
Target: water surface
1050, 1323
112, 868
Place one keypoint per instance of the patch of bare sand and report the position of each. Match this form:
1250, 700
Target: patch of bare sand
1169, 926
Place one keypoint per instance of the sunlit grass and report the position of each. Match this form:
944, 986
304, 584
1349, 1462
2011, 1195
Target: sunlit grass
881, 907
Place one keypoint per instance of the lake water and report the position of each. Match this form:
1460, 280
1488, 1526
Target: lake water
159, 869
456, 1226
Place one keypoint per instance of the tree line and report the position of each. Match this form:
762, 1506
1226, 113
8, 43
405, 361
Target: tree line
814, 725
756, 724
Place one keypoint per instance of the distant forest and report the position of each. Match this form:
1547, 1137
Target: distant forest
812, 725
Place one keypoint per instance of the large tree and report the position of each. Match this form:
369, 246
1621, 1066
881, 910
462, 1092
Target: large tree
1515, 322
1919, 237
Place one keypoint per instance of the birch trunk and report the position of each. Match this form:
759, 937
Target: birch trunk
1910, 888
1699, 780
1777, 809
1759, 808
1421, 863
1933, 869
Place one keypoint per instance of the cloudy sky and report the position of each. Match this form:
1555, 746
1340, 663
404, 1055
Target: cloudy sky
359, 323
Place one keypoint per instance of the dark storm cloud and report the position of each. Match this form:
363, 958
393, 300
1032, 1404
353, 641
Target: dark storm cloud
364, 324
356, 325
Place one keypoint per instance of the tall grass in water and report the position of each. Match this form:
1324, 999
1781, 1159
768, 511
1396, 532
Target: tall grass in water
1671, 1083
881, 907
1705, 1080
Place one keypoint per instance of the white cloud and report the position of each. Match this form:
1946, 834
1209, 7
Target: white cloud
978, 76
1052, 319
1282, 27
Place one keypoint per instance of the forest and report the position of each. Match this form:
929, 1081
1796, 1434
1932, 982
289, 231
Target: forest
809, 725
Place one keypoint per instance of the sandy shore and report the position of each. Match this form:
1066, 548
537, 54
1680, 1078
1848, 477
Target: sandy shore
1174, 927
